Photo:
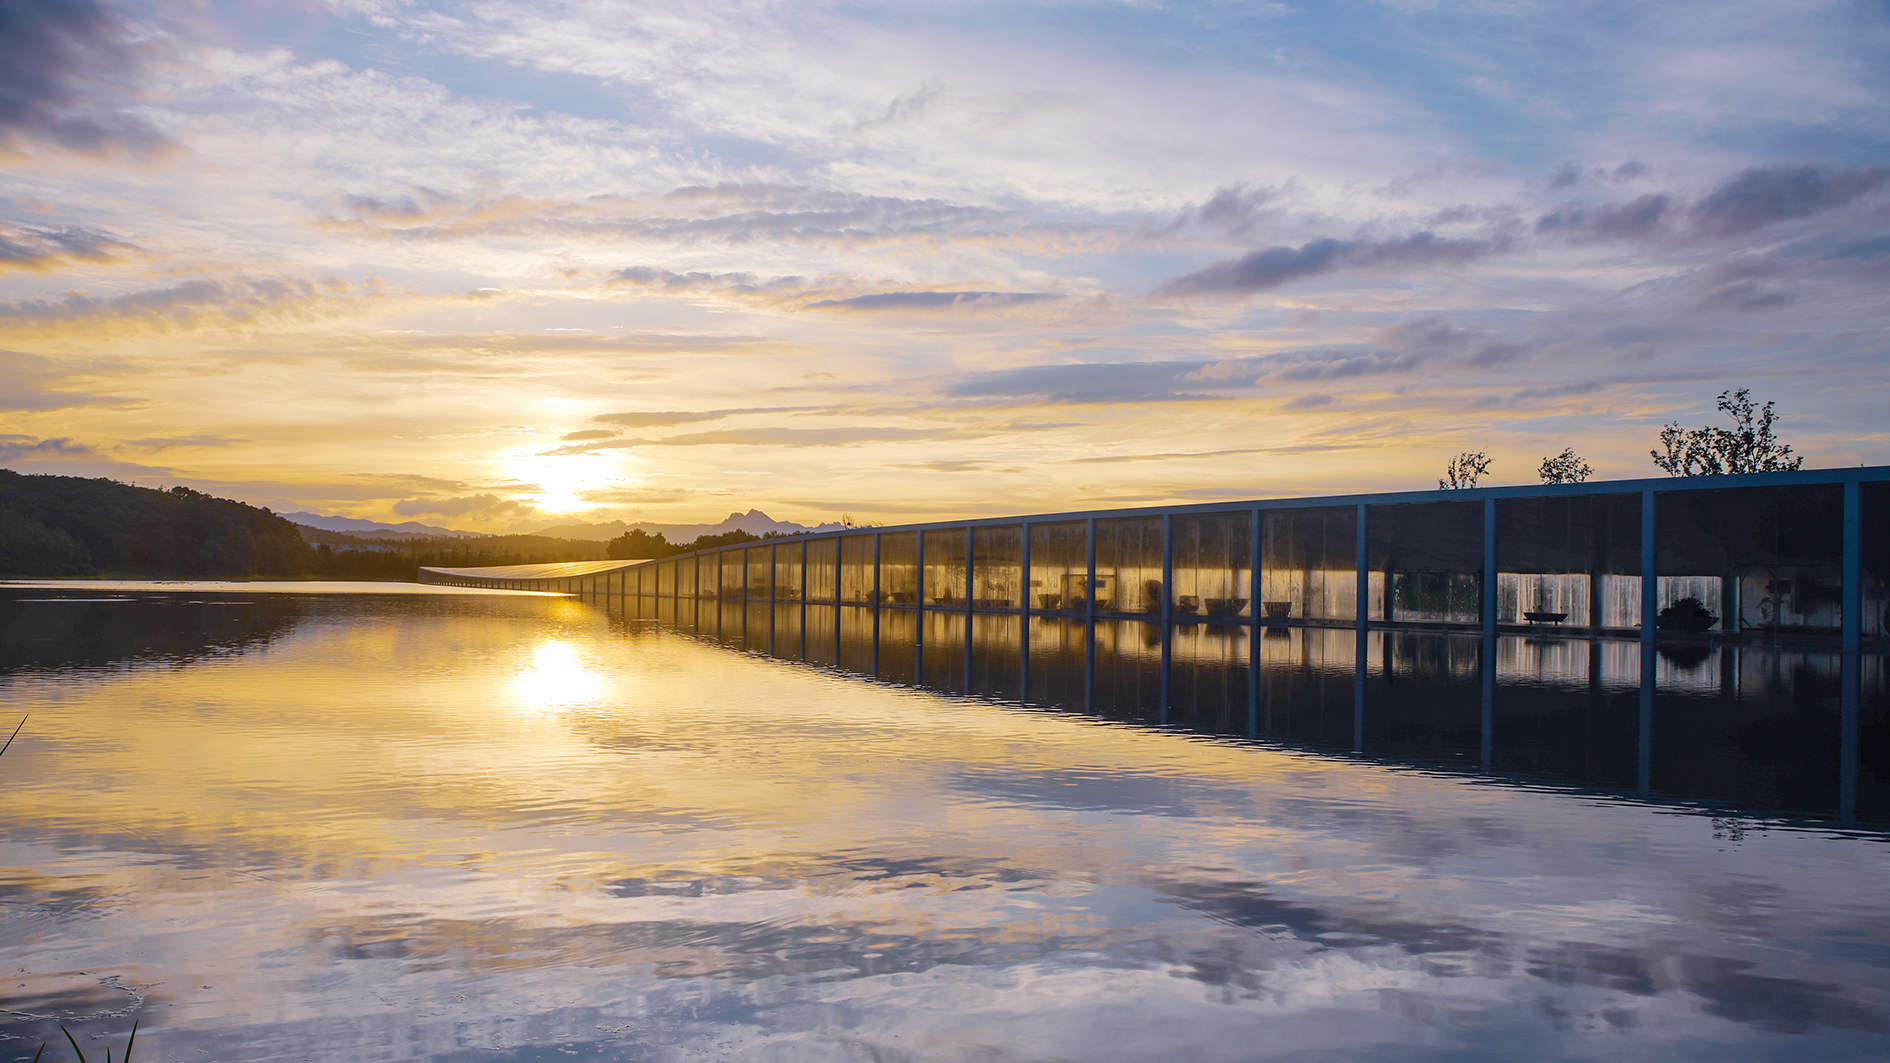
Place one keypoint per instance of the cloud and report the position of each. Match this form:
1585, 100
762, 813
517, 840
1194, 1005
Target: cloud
1309, 402
1112, 382
28, 448
761, 437
1613, 221
1762, 195
1260, 271
476, 506
1433, 337
188, 303
63, 64
167, 442
591, 433
30, 248
729, 214
28, 382
663, 418
934, 300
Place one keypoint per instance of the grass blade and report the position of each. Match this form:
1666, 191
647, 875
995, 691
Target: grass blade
128, 1040
75, 1044
10, 738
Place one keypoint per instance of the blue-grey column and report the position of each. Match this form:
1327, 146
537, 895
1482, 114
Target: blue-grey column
1852, 664
918, 616
1253, 626
1089, 618
1650, 612
876, 597
1361, 624
1166, 614
1023, 621
1488, 609
971, 564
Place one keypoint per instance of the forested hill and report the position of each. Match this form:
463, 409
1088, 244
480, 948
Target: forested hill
69, 526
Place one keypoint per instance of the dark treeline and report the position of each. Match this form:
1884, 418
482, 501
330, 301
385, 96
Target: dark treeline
637, 544
69, 526
53, 526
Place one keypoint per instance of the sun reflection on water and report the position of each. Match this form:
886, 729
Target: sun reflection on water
556, 679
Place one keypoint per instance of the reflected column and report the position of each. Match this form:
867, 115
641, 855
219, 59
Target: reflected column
1487, 606
1360, 627
1650, 593
1852, 604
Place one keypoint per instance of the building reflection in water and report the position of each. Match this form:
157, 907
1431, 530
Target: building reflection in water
1758, 727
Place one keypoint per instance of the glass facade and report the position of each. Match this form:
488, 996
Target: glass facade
1428, 557
997, 567
1059, 566
1309, 564
899, 568
1129, 565
822, 569
1569, 561
1762, 681
945, 567
1751, 559
1213, 564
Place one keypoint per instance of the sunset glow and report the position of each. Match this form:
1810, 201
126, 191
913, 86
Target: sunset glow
495, 266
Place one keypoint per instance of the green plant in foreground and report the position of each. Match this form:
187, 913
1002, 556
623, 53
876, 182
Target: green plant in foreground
81, 1052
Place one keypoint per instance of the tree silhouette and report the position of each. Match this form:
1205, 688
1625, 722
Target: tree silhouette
1708, 451
1463, 470
1565, 468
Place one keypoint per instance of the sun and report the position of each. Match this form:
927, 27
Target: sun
561, 481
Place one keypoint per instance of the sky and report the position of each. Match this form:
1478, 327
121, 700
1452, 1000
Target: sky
501, 265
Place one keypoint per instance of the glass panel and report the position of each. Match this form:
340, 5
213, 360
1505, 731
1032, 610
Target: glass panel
1751, 559
856, 569
787, 629
758, 629
760, 562
1755, 725
732, 577
1208, 677
1573, 561
1875, 514
898, 640
1568, 707
1309, 564
1213, 564
1129, 565
819, 631
945, 567
1128, 668
1424, 696
856, 640
686, 577
787, 571
997, 562
1306, 683
822, 571
666, 578
898, 569
943, 651
1873, 773
996, 656
1057, 656
1429, 556
1059, 565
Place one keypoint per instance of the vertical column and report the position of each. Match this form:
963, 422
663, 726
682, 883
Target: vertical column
1360, 627
1165, 616
1253, 625
1852, 663
1488, 609
876, 596
971, 570
918, 618
1023, 622
803, 548
1089, 617
1650, 593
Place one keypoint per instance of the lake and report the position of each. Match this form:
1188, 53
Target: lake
271, 824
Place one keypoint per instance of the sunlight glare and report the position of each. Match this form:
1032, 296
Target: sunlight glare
557, 679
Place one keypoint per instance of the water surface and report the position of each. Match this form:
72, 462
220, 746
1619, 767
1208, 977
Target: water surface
300, 826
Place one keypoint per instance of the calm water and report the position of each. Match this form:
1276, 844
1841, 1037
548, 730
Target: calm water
299, 827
